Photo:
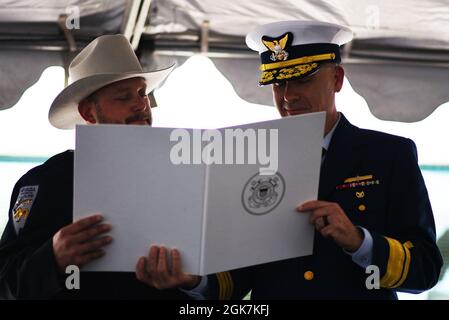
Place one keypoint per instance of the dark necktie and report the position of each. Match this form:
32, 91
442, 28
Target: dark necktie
323, 155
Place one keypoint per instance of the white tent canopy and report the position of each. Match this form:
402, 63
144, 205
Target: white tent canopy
398, 60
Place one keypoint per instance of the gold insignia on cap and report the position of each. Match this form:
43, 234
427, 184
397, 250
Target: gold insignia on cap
287, 73
277, 47
299, 61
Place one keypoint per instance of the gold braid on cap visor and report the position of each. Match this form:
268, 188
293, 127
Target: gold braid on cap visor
300, 66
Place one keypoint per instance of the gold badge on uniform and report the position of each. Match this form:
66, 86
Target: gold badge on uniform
360, 194
359, 178
308, 275
357, 182
22, 207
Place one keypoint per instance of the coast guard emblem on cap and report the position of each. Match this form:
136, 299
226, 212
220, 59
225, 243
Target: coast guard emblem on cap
263, 193
277, 46
22, 207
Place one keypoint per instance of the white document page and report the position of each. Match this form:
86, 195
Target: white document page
220, 216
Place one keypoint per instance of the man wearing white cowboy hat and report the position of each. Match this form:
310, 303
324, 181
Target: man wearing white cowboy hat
373, 207
108, 85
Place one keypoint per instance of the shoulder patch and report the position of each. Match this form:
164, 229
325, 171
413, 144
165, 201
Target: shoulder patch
22, 207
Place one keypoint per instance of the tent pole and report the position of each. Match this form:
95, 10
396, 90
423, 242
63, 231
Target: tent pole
204, 38
66, 57
129, 18
140, 25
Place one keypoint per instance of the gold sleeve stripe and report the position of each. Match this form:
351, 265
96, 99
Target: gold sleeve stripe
221, 285
408, 245
398, 264
302, 60
231, 285
395, 264
225, 285
408, 258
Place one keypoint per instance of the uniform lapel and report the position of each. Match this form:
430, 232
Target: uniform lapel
342, 158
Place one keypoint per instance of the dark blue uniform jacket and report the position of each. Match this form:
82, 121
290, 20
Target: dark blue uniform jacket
376, 180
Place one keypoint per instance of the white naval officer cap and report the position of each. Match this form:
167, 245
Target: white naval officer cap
296, 49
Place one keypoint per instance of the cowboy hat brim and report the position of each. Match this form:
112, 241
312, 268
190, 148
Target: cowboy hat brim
63, 113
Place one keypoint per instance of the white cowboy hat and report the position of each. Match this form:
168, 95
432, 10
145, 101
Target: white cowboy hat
105, 60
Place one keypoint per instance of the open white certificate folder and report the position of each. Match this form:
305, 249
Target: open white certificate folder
219, 216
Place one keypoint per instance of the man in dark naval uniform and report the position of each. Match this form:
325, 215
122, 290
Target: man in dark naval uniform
108, 85
375, 231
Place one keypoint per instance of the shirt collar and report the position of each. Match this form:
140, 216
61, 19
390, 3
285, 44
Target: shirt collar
327, 139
